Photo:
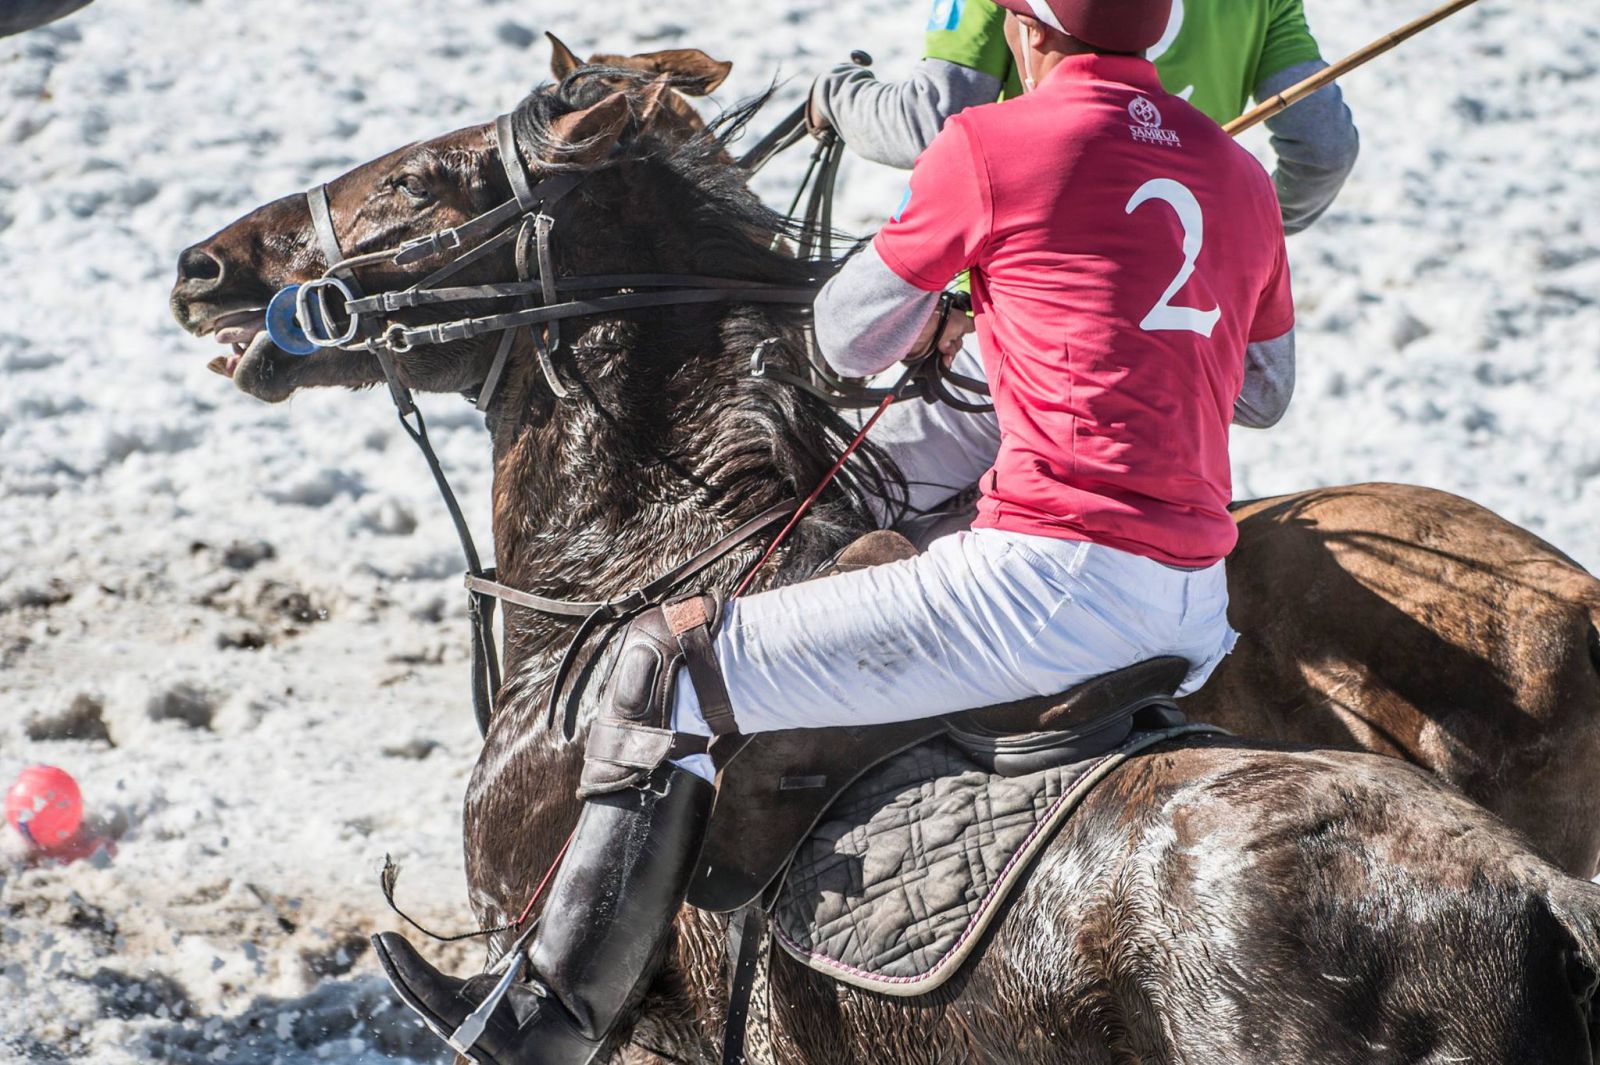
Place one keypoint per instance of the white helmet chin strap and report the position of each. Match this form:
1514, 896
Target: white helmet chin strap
1042, 12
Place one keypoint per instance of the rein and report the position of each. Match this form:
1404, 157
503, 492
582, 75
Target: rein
817, 190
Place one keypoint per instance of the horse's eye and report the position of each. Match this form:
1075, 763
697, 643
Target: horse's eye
414, 187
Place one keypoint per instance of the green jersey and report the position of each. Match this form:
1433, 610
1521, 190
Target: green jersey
1214, 58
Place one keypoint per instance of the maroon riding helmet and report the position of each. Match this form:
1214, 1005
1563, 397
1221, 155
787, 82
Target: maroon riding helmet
1111, 25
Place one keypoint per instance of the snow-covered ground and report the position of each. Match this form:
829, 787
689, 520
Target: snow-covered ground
253, 612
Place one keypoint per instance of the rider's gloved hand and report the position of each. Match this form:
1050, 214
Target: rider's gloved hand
819, 113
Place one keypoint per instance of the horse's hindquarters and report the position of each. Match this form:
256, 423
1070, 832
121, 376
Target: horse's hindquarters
1416, 624
1222, 902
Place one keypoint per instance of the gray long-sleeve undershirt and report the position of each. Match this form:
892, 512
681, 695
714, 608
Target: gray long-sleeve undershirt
891, 122
868, 318
1316, 143
1268, 382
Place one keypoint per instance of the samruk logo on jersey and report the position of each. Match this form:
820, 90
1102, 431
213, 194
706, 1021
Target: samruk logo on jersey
1147, 124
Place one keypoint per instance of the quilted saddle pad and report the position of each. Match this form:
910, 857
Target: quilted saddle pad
895, 886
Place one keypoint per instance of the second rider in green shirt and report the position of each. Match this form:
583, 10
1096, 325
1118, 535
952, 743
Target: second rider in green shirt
1216, 54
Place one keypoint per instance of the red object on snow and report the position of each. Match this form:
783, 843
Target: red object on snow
46, 806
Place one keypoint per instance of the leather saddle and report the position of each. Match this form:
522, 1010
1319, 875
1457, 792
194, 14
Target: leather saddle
775, 789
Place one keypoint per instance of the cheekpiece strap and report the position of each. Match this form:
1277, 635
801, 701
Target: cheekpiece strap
512, 161
322, 223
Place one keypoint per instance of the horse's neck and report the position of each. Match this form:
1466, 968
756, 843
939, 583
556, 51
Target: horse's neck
585, 509
593, 499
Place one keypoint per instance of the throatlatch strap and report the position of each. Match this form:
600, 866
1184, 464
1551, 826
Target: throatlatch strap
689, 622
547, 339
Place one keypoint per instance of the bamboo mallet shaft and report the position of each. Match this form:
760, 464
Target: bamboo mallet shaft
1267, 108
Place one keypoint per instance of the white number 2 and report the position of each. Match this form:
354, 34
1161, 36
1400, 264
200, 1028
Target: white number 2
1164, 315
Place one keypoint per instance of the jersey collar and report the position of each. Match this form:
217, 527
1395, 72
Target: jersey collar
1133, 71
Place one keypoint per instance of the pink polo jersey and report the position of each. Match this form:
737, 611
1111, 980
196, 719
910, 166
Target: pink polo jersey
1123, 253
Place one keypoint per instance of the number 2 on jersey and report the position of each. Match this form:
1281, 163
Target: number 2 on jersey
1164, 316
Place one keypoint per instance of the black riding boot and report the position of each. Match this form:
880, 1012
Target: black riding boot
624, 877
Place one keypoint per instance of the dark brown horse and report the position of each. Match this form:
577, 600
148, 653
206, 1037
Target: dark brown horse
1214, 901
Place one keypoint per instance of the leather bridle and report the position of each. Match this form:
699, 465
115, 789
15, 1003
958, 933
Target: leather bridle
525, 222
541, 302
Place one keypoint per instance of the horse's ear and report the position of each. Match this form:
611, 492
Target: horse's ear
587, 136
563, 60
693, 72
652, 98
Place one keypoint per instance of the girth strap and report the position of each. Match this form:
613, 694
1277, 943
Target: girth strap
745, 937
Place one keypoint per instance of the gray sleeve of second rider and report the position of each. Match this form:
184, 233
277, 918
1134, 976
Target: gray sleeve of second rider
1316, 143
891, 122
868, 317
1268, 383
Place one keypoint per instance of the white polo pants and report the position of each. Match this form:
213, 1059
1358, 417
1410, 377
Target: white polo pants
981, 617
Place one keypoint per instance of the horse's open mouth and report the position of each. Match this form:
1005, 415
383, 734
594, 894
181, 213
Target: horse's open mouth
245, 331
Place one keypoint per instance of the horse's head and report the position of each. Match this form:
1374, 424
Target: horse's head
226, 281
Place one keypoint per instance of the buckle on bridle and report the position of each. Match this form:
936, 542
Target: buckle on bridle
758, 357
420, 248
314, 321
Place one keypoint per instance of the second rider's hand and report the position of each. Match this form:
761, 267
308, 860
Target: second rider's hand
817, 122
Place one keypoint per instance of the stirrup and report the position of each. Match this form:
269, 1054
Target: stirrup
548, 1038
514, 962
466, 1035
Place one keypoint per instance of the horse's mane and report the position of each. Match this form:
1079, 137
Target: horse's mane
738, 228
760, 426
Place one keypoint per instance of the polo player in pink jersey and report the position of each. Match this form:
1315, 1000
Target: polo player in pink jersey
1128, 270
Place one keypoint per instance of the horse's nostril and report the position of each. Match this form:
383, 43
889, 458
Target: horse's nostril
197, 264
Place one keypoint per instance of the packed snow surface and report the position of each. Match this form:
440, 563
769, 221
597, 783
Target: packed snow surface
241, 626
